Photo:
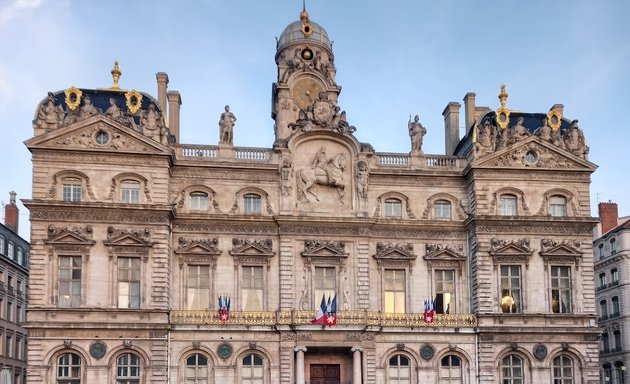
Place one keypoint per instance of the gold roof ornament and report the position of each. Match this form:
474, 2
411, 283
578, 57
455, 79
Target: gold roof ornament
306, 28
554, 119
73, 97
134, 101
503, 113
116, 75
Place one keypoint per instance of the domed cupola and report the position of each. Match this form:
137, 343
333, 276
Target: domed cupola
304, 31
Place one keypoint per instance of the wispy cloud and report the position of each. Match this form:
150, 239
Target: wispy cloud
12, 10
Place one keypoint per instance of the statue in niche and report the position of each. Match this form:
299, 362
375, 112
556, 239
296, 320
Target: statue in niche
50, 115
323, 171
88, 109
574, 140
416, 133
151, 119
226, 125
544, 132
486, 135
519, 132
286, 173
363, 176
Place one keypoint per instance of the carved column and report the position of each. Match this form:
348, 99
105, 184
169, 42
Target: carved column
299, 364
356, 365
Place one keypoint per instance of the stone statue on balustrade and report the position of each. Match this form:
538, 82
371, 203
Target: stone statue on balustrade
518, 132
88, 109
486, 137
416, 134
574, 140
544, 132
50, 115
226, 126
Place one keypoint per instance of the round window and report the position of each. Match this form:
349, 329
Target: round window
102, 137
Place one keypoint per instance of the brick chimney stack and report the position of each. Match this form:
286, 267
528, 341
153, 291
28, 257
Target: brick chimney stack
609, 215
11, 213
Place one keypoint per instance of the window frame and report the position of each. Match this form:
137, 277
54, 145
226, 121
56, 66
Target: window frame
439, 214
502, 207
243, 366
71, 188
395, 292
129, 366
196, 368
262, 279
80, 282
503, 302
197, 203
515, 361
3, 244
316, 295
450, 379
129, 279
558, 209
69, 379
397, 379
130, 191
559, 364
439, 272
252, 203
392, 208
199, 278
557, 289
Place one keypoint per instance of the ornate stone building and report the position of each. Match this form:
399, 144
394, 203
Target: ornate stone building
611, 246
14, 256
135, 235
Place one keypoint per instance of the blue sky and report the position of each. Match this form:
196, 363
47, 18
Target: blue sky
394, 59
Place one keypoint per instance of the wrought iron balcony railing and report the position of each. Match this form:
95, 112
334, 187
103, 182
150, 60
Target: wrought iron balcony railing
293, 318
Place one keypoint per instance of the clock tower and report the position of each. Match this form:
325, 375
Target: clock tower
306, 72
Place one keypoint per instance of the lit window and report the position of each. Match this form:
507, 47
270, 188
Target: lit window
69, 369
251, 203
395, 290
393, 208
128, 369
507, 205
558, 206
442, 210
130, 192
561, 289
11, 250
252, 370
128, 282
199, 201
325, 284
196, 369
451, 370
562, 370
399, 370
71, 189
603, 309
198, 287
512, 370
510, 289
444, 291
69, 281
615, 305
252, 291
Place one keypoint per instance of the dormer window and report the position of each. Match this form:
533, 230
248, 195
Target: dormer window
507, 205
71, 189
251, 203
393, 208
130, 192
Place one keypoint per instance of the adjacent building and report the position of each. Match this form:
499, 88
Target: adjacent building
14, 256
135, 237
612, 251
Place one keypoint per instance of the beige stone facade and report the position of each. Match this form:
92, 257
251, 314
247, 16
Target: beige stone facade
135, 235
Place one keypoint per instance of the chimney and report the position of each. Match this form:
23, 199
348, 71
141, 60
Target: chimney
451, 127
162, 82
469, 105
11, 213
174, 101
609, 215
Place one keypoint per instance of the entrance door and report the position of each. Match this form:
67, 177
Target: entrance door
325, 374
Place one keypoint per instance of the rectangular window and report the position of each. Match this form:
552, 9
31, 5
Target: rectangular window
10, 250
615, 275
324, 284
558, 206
130, 192
444, 291
71, 190
20, 255
613, 246
507, 205
602, 280
617, 336
128, 282
511, 289
198, 287
70, 281
2, 245
252, 288
393, 208
18, 313
7, 346
251, 203
199, 201
442, 210
9, 311
561, 289
394, 290
601, 251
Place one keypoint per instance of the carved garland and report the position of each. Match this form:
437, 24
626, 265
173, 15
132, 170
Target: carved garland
325, 251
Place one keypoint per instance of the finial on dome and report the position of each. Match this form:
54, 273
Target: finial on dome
503, 96
116, 75
304, 14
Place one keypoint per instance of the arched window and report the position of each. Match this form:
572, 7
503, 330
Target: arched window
252, 371
442, 210
71, 189
562, 370
251, 203
451, 370
507, 205
130, 192
558, 206
399, 370
196, 369
512, 370
69, 369
393, 208
199, 201
128, 369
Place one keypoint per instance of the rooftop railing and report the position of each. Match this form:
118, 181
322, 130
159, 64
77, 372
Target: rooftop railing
293, 318
188, 151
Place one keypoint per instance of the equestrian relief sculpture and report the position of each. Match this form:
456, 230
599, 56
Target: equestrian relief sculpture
323, 171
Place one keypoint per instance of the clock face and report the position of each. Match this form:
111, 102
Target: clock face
305, 92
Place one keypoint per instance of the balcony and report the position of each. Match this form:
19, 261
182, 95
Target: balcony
602, 287
294, 318
614, 314
602, 318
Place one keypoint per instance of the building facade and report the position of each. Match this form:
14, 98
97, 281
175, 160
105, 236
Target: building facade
135, 235
612, 250
14, 256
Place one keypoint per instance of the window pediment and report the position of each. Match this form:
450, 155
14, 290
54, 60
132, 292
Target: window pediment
252, 247
445, 256
394, 251
554, 251
128, 237
517, 251
70, 236
324, 252
198, 246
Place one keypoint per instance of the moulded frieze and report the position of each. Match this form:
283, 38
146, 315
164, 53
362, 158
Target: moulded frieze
97, 215
546, 228
125, 159
226, 228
